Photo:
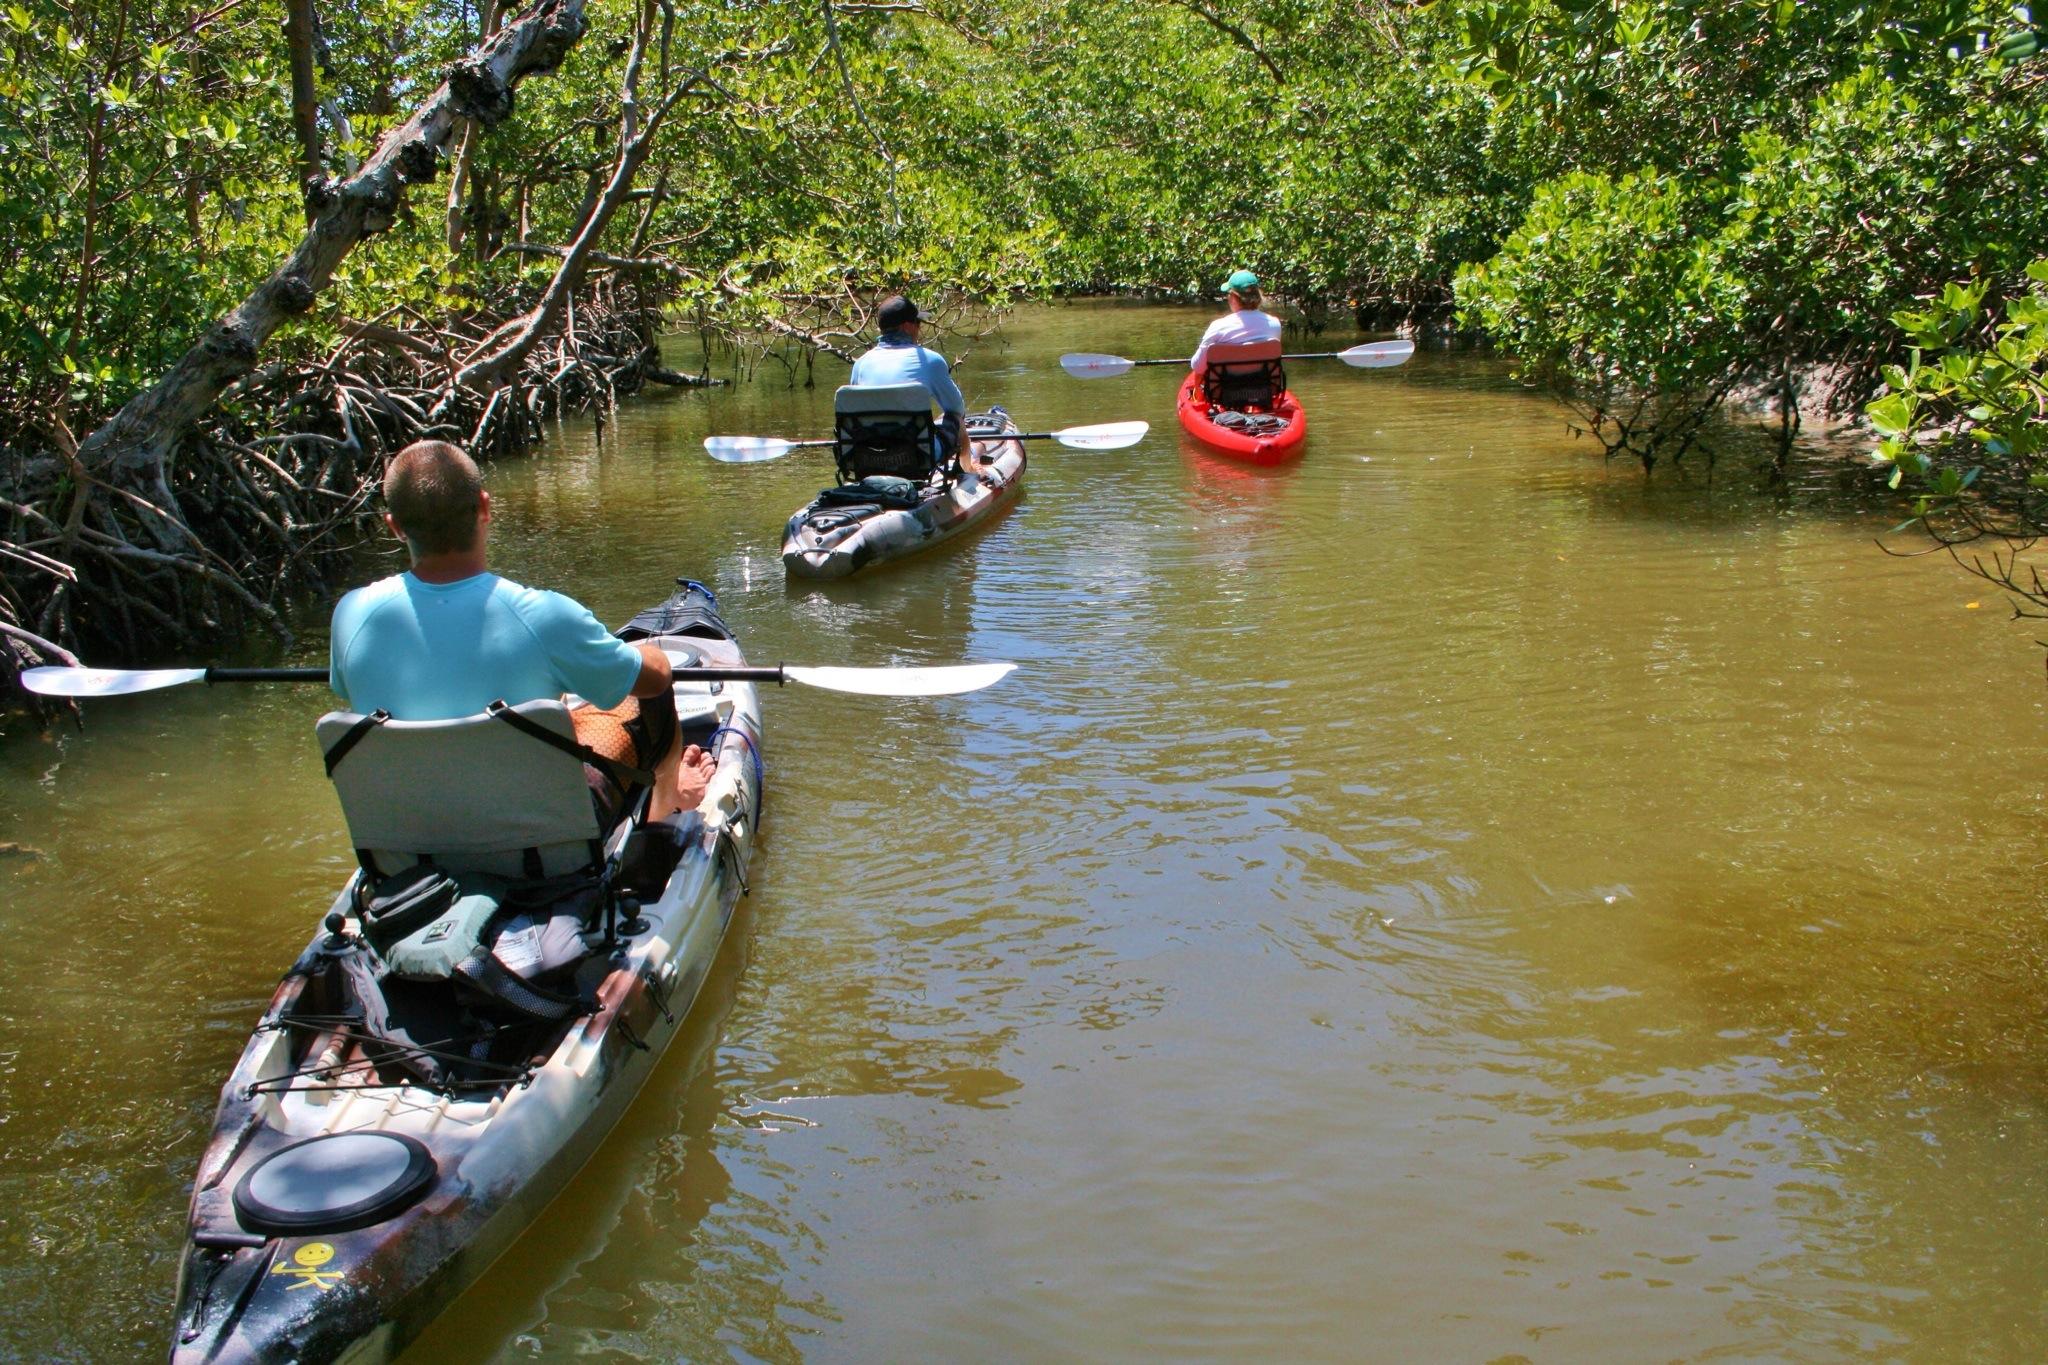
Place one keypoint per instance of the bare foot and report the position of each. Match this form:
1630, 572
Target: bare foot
693, 778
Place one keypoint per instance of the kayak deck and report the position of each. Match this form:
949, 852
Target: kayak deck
1277, 448
839, 533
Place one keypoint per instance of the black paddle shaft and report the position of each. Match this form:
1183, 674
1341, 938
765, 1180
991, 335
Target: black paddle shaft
1305, 355
770, 675
213, 675
988, 438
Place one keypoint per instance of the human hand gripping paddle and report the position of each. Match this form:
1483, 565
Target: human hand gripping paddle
943, 681
1376, 355
1103, 436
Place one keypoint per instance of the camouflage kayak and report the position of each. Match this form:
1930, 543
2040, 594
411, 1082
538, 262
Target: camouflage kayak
387, 1133
848, 529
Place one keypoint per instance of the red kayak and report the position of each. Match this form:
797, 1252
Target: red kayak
1257, 420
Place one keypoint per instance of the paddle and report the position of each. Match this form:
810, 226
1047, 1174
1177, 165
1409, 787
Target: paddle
1105, 436
869, 682
1374, 355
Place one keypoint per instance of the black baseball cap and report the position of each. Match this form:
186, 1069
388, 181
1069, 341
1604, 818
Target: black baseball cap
897, 311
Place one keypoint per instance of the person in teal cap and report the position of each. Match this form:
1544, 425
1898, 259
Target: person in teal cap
1244, 323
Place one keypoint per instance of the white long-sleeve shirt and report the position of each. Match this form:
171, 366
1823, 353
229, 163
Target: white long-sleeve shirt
1235, 329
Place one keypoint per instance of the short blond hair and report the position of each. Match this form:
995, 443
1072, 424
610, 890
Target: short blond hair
433, 491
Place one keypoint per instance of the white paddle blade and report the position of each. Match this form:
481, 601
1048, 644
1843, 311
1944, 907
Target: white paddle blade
105, 682
1105, 436
746, 449
901, 682
1378, 355
1083, 365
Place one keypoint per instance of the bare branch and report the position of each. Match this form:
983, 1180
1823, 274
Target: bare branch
636, 140
1231, 31
44, 647
860, 110
142, 436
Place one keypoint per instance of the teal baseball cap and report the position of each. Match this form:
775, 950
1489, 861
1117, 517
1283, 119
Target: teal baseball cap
1241, 281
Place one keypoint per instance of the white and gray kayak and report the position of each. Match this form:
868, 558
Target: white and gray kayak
386, 1135
843, 532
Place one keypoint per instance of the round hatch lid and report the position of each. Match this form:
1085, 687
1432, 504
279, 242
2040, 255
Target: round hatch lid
334, 1182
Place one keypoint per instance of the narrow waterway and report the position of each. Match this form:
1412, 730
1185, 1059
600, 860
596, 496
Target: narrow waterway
1448, 899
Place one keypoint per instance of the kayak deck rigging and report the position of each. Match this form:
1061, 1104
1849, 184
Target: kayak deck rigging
344, 1028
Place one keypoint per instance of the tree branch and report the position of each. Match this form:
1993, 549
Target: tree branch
1234, 33
298, 41
606, 258
46, 648
635, 142
853, 98
466, 148
137, 442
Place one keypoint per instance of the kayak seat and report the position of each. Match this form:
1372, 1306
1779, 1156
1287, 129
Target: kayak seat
885, 429
484, 867
1244, 376
473, 794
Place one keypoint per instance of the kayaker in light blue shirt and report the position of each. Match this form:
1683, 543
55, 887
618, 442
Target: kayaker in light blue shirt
898, 359
449, 637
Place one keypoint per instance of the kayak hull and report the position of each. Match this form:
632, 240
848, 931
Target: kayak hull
500, 1155
1275, 449
828, 540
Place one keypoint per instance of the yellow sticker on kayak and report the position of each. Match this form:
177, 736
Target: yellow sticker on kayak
306, 1263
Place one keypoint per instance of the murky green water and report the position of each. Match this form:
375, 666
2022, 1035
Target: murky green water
1443, 900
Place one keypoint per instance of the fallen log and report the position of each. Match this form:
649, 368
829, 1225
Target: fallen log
655, 374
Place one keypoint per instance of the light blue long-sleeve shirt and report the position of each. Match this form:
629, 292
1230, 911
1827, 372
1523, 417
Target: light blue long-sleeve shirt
896, 359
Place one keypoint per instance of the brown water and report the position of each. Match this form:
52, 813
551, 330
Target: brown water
1449, 899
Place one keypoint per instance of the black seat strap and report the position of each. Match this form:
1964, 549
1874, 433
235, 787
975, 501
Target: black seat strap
354, 737
624, 775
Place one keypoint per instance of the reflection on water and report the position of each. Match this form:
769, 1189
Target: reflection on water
1449, 895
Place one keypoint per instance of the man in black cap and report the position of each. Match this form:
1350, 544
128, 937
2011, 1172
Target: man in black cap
898, 359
